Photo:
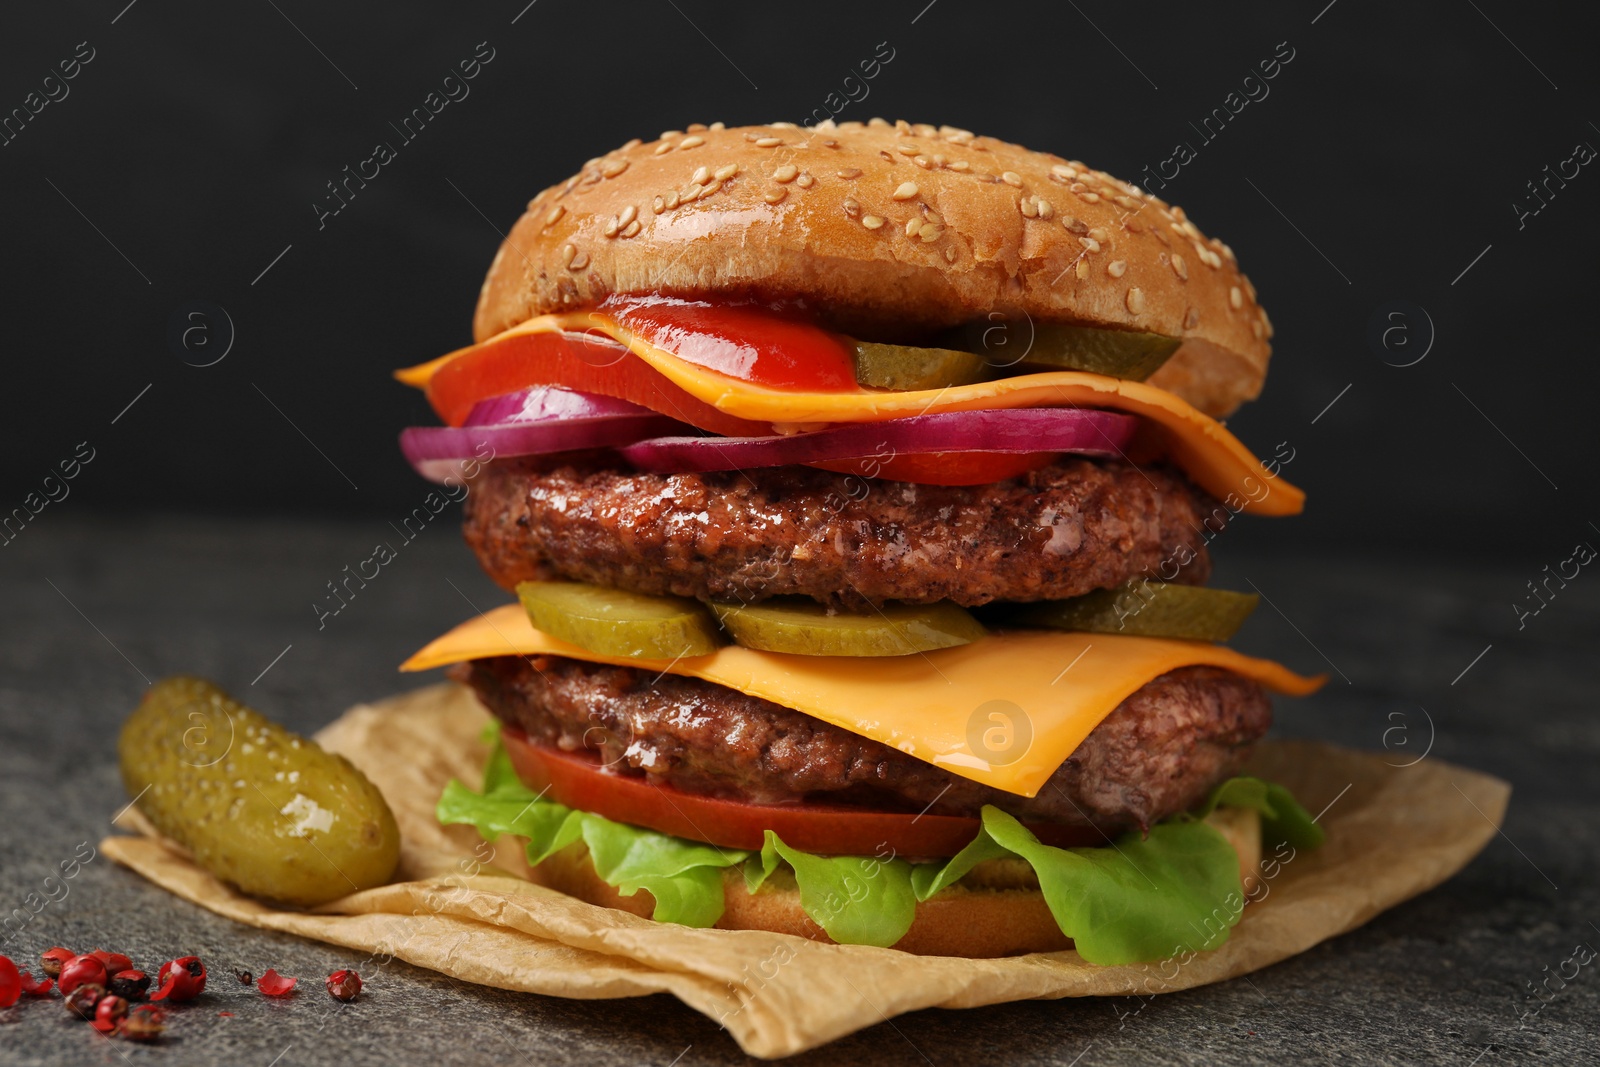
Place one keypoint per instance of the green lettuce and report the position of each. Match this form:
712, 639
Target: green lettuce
1142, 897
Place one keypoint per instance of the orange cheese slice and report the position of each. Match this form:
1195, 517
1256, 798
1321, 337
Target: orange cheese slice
1005, 711
1216, 459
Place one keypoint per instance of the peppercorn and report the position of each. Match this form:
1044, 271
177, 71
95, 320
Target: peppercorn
80, 970
245, 977
143, 1023
181, 979
83, 999
114, 961
344, 985
130, 985
51, 959
109, 1012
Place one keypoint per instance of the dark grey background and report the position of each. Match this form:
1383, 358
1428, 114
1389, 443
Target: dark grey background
1386, 159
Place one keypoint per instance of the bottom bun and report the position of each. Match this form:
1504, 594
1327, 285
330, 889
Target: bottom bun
996, 910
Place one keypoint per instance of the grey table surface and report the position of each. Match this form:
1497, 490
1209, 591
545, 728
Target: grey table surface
93, 607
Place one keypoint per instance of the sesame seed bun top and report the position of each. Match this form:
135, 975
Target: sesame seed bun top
889, 232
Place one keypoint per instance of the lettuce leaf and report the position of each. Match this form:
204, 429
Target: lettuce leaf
1282, 817
684, 877
1143, 897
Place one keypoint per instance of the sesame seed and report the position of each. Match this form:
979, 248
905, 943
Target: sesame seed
805, 181
1135, 300
1257, 329
613, 167
701, 175
567, 252
696, 127
1235, 298
673, 200
1089, 198
1128, 203
631, 228
671, 133
768, 142
1075, 226
1099, 234
906, 191
634, 143
871, 222
1179, 267
851, 173
1011, 178
692, 142
580, 262
852, 206
612, 227
925, 130
1191, 318
1117, 268
690, 192
923, 161
717, 127
829, 142
1061, 170
913, 227
1045, 208
902, 125
933, 217
1089, 243
949, 253
907, 149
930, 232
709, 189
555, 215
772, 196
960, 165
658, 205
884, 155
722, 174
783, 125
629, 213
1131, 226
786, 173
663, 148
1078, 187
1029, 206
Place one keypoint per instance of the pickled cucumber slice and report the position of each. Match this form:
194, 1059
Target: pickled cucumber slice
613, 622
805, 628
1148, 609
903, 367
1030, 347
259, 807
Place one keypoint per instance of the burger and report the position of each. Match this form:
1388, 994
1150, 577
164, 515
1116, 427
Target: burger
855, 485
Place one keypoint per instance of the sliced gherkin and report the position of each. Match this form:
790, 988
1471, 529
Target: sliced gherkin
904, 367
1148, 609
1025, 347
806, 628
261, 808
613, 622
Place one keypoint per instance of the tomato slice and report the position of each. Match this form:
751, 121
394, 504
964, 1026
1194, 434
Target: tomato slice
768, 346
591, 362
580, 781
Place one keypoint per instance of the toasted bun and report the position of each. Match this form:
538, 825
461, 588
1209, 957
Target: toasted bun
996, 910
885, 229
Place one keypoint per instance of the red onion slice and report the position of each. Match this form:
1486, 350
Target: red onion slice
1084, 431
542, 403
442, 452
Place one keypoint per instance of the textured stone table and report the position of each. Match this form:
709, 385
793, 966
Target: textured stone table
92, 608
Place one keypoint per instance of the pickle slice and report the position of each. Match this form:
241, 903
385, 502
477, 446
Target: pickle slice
1126, 354
1148, 609
613, 622
903, 367
805, 628
257, 806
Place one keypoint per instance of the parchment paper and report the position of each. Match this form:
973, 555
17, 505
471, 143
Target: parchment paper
1393, 832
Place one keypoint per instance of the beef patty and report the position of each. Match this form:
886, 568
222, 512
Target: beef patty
1158, 753
1069, 528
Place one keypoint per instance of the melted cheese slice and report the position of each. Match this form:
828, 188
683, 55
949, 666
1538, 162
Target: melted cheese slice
1005, 711
1216, 459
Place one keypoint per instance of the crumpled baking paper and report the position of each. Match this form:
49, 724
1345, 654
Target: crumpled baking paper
1393, 832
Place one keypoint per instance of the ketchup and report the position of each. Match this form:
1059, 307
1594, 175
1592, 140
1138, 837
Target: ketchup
749, 342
